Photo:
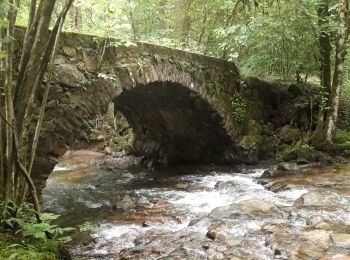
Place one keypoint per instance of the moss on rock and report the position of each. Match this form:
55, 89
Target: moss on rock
299, 152
289, 135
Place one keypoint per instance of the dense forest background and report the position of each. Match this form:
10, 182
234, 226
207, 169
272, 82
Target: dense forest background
270, 39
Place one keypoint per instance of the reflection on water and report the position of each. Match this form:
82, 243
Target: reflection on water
201, 212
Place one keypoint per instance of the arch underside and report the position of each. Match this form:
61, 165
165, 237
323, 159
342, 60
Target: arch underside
173, 124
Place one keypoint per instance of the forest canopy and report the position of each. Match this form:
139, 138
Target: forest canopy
266, 38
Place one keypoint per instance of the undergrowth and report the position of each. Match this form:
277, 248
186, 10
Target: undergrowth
22, 238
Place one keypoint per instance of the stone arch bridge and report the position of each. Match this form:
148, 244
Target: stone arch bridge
182, 107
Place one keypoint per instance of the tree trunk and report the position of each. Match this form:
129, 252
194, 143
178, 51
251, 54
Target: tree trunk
343, 36
78, 18
133, 23
162, 15
2, 125
186, 24
325, 70
9, 172
25, 86
204, 24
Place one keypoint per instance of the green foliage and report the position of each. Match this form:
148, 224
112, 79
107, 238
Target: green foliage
212, 88
273, 39
108, 77
22, 221
88, 227
85, 85
342, 137
24, 238
239, 108
193, 70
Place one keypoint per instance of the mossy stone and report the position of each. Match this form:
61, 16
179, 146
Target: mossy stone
253, 128
289, 135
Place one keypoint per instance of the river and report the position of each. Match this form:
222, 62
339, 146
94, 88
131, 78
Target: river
202, 211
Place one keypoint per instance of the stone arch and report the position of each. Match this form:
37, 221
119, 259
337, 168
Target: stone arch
172, 116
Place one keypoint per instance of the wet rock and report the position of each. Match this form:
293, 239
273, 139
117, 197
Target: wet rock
64, 254
183, 253
282, 169
258, 208
224, 212
336, 256
314, 219
221, 248
143, 200
341, 239
271, 228
126, 203
200, 189
84, 156
318, 236
181, 185
283, 185
288, 167
310, 251
214, 255
147, 224
108, 151
270, 174
232, 242
325, 225
319, 198
202, 222
229, 185
81, 238
217, 232
122, 162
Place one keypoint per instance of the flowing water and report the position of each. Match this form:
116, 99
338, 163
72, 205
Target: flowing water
203, 212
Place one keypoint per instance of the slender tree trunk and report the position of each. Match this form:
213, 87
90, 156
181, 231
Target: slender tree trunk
343, 36
9, 175
325, 46
25, 85
186, 24
28, 44
78, 18
162, 15
2, 126
325, 69
31, 17
46, 63
133, 24
204, 24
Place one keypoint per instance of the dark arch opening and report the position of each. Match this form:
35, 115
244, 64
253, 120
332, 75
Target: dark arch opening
173, 124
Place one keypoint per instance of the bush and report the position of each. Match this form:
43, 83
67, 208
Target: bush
342, 137
23, 238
